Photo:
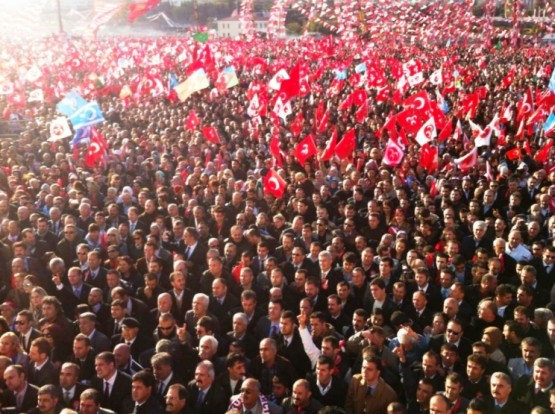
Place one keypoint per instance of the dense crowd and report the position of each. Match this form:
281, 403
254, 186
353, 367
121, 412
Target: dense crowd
169, 278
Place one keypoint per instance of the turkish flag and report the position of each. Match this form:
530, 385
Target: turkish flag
323, 124
526, 105
136, 10
330, 146
362, 113
359, 97
211, 135
543, 153
513, 154
274, 149
429, 158
420, 102
347, 145
305, 149
97, 148
346, 104
509, 79
393, 153
466, 162
192, 121
274, 184
297, 125
290, 88
446, 131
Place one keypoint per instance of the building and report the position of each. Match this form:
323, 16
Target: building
232, 26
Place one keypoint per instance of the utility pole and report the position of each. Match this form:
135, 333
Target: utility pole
60, 23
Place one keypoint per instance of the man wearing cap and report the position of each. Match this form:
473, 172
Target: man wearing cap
130, 336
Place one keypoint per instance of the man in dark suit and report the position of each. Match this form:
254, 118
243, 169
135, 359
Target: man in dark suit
329, 276
70, 386
534, 391
182, 297
378, 298
143, 386
130, 336
89, 403
240, 334
289, 343
87, 326
73, 293
230, 380
83, 356
205, 396
135, 308
23, 395
500, 400
194, 254
162, 367
42, 371
268, 326
221, 303
113, 386
420, 314
477, 239
454, 334
95, 275
433, 292
25, 330
268, 364
327, 388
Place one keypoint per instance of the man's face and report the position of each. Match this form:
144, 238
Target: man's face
173, 403
323, 373
370, 372
161, 371
88, 406
267, 353
202, 378
46, 403
68, 377
429, 366
140, 392
237, 371
452, 390
424, 392
542, 377
530, 353
248, 305
474, 371
103, 369
500, 389
249, 394
35, 355
205, 350
80, 349
286, 326
301, 395
13, 380
22, 325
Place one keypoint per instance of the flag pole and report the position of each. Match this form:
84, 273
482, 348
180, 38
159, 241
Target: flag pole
60, 24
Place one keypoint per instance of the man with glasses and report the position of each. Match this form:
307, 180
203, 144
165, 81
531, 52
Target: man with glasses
24, 327
453, 335
67, 247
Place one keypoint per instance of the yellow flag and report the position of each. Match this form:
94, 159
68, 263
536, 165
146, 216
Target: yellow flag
196, 82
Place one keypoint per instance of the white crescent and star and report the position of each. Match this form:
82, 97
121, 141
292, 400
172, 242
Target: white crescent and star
274, 183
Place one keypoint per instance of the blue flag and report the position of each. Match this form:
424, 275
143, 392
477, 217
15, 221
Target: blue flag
361, 67
70, 104
549, 124
81, 135
172, 81
552, 81
87, 115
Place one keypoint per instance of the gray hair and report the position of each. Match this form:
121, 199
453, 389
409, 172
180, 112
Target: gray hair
209, 367
213, 342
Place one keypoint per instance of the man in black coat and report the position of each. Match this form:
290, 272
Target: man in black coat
205, 396
289, 343
143, 392
230, 380
70, 386
22, 395
325, 387
500, 400
535, 391
42, 371
113, 386
454, 334
268, 364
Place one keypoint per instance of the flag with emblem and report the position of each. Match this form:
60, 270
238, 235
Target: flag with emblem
210, 134
305, 149
59, 129
274, 184
87, 115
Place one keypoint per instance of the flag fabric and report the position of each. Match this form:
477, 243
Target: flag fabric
194, 83
201, 37
36, 95
227, 79
413, 72
513, 154
489, 172
282, 108
429, 159
426, 133
297, 125
305, 149
210, 134
290, 87
446, 132
87, 115
96, 150
275, 150
549, 125
33, 74
361, 67
543, 154
136, 10
344, 149
6, 88
409, 120
526, 105
436, 78
509, 79
103, 13
552, 81
328, 152
82, 135
59, 129
277, 79
466, 162
483, 139
192, 121
70, 104
393, 153
172, 81
274, 184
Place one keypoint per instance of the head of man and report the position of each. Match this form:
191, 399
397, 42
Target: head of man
105, 365
424, 391
371, 370
89, 401
250, 393
40, 350
476, 367
268, 351
161, 365
208, 347
453, 386
143, 384
544, 369
176, 398
14, 377
324, 370
501, 387
47, 399
69, 375
439, 404
204, 375
301, 393
235, 364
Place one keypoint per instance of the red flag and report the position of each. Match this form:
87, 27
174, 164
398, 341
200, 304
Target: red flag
509, 79
446, 131
192, 121
419, 101
429, 158
330, 146
393, 153
97, 148
526, 105
362, 113
346, 104
211, 135
543, 153
136, 10
466, 162
513, 154
274, 184
324, 122
359, 97
305, 149
297, 125
409, 120
346, 146
290, 88
274, 149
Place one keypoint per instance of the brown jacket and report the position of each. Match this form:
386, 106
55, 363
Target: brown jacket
358, 402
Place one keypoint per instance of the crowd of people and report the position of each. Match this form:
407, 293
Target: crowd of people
169, 278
